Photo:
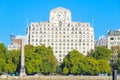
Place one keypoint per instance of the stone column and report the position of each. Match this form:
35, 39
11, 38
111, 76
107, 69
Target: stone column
22, 70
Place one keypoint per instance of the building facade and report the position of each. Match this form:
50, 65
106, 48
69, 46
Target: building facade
102, 41
113, 38
61, 33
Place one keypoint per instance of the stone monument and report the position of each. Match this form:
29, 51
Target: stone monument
22, 70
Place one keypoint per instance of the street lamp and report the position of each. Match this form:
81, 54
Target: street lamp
114, 65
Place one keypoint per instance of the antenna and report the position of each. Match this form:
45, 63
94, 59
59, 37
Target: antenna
27, 22
92, 22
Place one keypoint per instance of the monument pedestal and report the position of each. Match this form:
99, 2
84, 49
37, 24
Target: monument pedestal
22, 72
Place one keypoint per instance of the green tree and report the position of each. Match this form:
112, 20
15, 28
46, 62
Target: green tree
2, 64
101, 53
39, 59
73, 63
3, 52
65, 70
12, 61
92, 66
104, 66
76, 63
33, 60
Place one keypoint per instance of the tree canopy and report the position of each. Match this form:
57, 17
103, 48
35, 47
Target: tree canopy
39, 59
101, 53
76, 63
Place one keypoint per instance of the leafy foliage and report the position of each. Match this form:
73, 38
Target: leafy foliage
39, 59
75, 63
101, 53
12, 61
9, 60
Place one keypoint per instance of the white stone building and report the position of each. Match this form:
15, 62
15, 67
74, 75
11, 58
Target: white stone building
113, 38
102, 41
61, 33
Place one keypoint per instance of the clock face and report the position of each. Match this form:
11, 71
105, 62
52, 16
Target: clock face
60, 16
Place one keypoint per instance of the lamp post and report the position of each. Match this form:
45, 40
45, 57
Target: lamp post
114, 65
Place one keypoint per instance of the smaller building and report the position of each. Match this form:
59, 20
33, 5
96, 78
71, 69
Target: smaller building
113, 38
102, 41
16, 42
13, 46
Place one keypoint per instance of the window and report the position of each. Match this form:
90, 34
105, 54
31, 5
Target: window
80, 32
83, 51
44, 28
79, 40
60, 23
44, 40
33, 28
68, 24
32, 24
36, 40
60, 55
112, 38
60, 59
91, 40
83, 43
64, 55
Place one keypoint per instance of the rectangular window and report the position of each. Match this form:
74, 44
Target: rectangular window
112, 38
60, 55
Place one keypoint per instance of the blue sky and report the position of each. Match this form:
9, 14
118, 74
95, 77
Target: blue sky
104, 14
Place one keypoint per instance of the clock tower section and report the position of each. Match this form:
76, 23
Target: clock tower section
60, 14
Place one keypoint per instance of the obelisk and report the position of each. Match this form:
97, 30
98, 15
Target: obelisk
22, 70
